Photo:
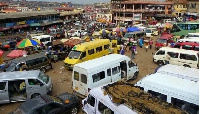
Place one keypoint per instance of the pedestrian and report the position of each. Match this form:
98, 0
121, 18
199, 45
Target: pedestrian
146, 43
133, 50
141, 43
150, 43
122, 49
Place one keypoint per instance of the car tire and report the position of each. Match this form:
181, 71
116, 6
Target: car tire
35, 95
160, 62
74, 110
43, 70
187, 66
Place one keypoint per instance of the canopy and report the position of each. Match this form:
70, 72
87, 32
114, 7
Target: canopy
132, 29
16, 53
72, 42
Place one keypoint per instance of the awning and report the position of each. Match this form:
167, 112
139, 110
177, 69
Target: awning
57, 42
34, 24
20, 26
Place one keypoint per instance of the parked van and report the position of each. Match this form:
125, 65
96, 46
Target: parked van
103, 70
182, 90
22, 85
180, 57
30, 62
164, 40
135, 35
45, 39
57, 33
123, 98
89, 50
195, 40
187, 46
151, 31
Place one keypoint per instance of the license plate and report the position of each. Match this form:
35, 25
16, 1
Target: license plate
76, 88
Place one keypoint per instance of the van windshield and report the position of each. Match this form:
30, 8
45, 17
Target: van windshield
162, 41
148, 31
74, 54
127, 35
42, 76
10, 66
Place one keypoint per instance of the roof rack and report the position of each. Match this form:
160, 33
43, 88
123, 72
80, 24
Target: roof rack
136, 99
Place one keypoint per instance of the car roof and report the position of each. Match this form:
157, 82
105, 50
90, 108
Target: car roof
19, 75
29, 105
190, 52
188, 43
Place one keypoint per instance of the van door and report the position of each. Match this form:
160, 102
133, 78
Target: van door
103, 108
116, 74
188, 60
4, 93
80, 83
159, 56
35, 86
132, 69
173, 58
90, 105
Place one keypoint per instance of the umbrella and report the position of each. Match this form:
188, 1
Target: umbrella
16, 53
64, 40
27, 42
103, 31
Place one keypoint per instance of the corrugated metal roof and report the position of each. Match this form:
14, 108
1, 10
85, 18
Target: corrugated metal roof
26, 14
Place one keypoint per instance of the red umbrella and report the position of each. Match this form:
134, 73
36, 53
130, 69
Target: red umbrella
1, 53
124, 30
117, 29
16, 53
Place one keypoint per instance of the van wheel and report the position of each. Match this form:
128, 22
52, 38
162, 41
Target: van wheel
43, 70
160, 63
74, 110
187, 66
35, 95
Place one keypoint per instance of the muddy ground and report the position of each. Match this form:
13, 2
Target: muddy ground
62, 80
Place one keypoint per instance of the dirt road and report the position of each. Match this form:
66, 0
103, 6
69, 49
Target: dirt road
62, 80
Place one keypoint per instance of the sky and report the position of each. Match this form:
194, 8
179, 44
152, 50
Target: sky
76, 1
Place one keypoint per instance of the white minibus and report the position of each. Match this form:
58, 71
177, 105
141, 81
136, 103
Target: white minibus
180, 57
100, 71
182, 90
45, 39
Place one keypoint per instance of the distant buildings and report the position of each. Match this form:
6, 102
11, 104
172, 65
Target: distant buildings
136, 10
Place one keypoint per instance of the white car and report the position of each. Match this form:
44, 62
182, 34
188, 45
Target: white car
78, 32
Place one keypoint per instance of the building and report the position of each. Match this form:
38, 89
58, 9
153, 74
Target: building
179, 7
193, 7
129, 11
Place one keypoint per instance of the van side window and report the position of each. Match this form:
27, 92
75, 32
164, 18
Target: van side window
2, 85
84, 78
34, 82
76, 76
173, 55
30, 63
188, 57
114, 45
106, 46
98, 76
130, 64
191, 108
91, 100
159, 95
115, 70
98, 49
83, 55
42, 40
44, 59
196, 48
109, 72
38, 60
48, 39
104, 109
177, 46
161, 52
90, 52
